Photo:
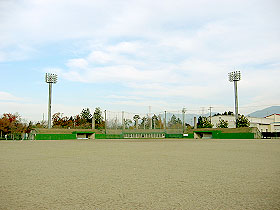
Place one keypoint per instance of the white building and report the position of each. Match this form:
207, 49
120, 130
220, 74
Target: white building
270, 123
275, 125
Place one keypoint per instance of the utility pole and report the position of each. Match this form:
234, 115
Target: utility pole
123, 121
105, 120
234, 77
210, 108
150, 118
50, 79
165, 121
183, 113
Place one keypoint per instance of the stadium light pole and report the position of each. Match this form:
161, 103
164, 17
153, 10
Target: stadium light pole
50, 79
234, 77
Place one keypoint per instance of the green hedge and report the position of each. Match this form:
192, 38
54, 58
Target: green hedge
55, 136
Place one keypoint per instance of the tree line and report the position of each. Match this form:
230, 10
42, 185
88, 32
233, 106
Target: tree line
82, 120
154, 122
85, 120
12, 126
204, 122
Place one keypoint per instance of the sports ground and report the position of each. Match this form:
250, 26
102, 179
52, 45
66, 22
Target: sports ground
140, 174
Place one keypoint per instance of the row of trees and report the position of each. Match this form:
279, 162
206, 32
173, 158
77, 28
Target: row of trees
204, 122
82, 120
225, 113
85, 120
12, 125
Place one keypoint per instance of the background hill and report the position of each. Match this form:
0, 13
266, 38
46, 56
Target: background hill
265, 112
260, 113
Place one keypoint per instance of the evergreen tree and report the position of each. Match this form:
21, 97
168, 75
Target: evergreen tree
144, 123
86, 115
222, 124
242, 121
99, 122
174, 122
203, 122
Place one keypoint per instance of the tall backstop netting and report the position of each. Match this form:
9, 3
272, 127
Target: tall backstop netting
153, 122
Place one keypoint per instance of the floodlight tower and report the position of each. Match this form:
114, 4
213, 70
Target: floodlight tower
50, 78
234, 77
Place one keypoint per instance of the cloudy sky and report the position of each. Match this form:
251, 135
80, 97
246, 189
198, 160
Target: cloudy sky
129, 55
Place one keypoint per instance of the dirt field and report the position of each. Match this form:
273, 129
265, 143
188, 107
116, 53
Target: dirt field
133, 174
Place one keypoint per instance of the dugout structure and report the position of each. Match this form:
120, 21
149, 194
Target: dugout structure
225, 133
62, 134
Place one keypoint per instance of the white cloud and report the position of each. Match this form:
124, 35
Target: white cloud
4, 96
117, 73
79, 63
35, 112
123, 97
18, 53
125, 47
100, 57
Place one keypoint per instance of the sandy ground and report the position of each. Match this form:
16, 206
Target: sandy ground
133, 174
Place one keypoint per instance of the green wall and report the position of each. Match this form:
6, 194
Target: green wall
174, 135
215, 135
219, 135
108, 136
55, 136
234, 136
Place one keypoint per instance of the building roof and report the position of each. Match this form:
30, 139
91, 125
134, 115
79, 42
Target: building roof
272, 115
